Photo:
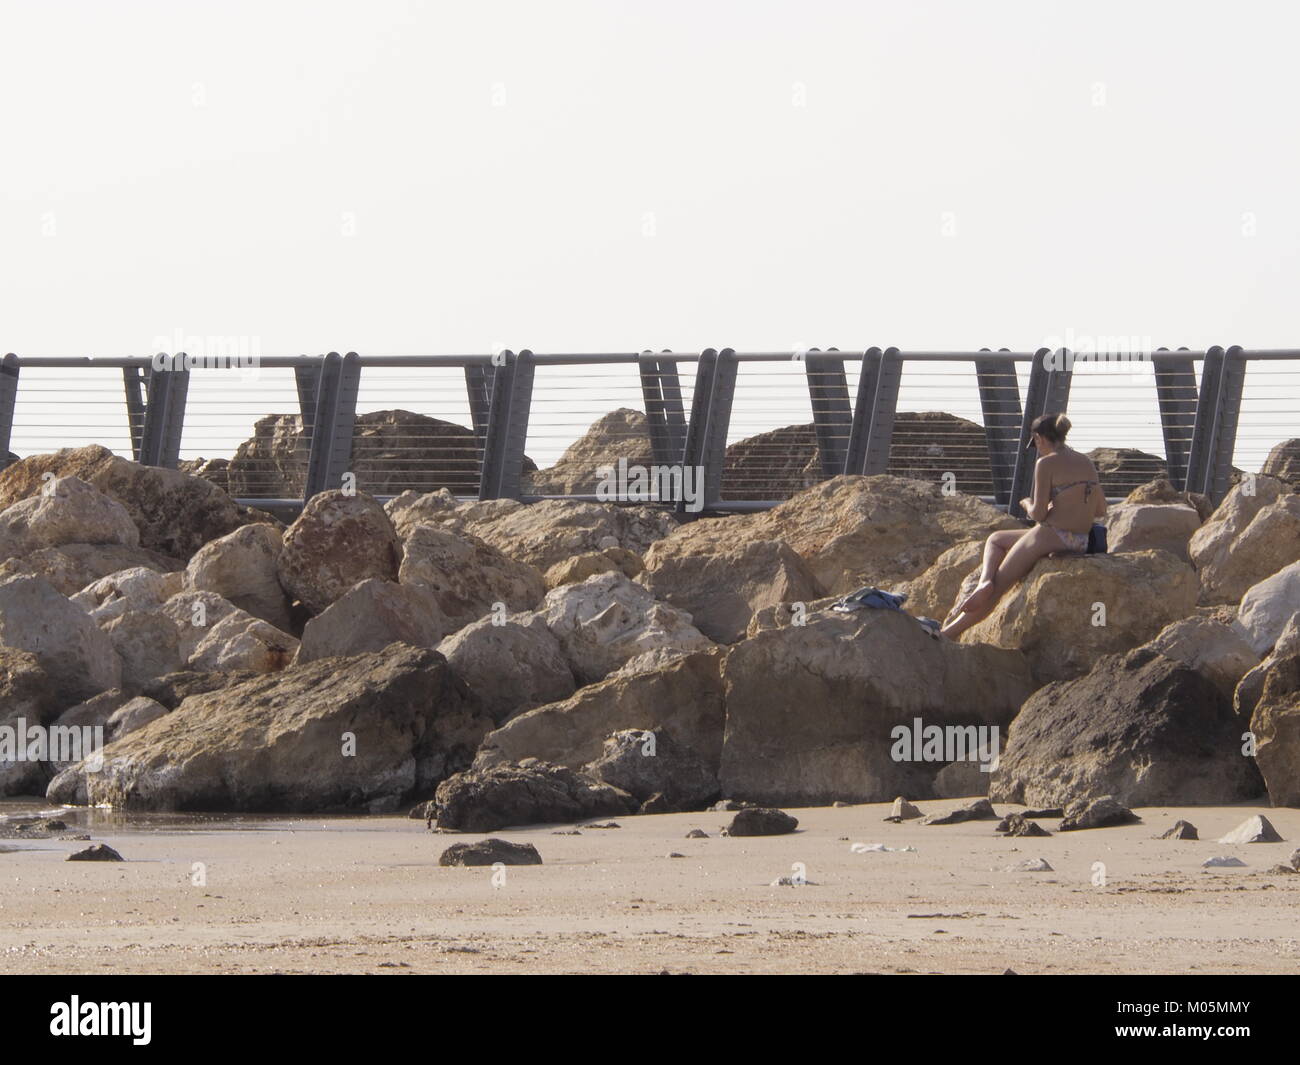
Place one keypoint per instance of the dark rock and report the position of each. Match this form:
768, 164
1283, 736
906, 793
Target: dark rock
979, 810
489, 852
1103, 812
761, 821
100, 852
1139, 727
672, 771
532, 792
699, 833
1180, 830
1020, 825
174, 688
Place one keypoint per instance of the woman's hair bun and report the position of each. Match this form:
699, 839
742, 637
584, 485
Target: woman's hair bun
1062, 425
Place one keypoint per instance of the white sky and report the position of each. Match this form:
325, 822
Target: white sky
402, 177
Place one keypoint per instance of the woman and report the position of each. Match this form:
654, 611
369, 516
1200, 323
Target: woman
1067, 499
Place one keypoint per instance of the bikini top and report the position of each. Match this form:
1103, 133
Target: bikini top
1057, 489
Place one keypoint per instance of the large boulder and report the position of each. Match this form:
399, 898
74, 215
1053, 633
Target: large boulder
1251, 686
1267, 607
1141, 727
372, 615
466, 575
1069, 612
175, 513
27, 699
337, 540
66, 510
241, 567
533, 792
1213, 545
1276, 726
72, 567
607, 620
620, 434
1121, 469
512, 666
812, 709
137, 588
1212, 648
722, 585
934, 593
1151, 526
683, 700
852, 531
646, 764
147, 644
1161, 490
364, 733
36, 618
240, 641
1283, 462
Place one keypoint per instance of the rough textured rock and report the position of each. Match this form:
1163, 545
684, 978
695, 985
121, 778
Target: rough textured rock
590, 563
174, 688
1101, 812
1151, 526
1271, 542
621, 433
723, 588
34, 617
1267, 607
1051, 615
511, 667
1180, 830
960, 780
902, 810
468, 576
1283, 462
490, 852
66, 510
1140, 727
133, 715
645, 764
934, 592
1162, 491
337, 541
1212, 546
1015, 825
72, 567
682, 700
607, 620
282, 742
175, 513
979, 810
1257, 829
241, 641
194, 614
137, 588
96, 852
1246, 696
852, 531
373, 614
811, 709
761, 821
1276, 725
241, 567
27, 694
1210, 647
147, 644
533, 792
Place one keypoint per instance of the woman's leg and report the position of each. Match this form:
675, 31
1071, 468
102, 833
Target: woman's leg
995, 550
1031, 545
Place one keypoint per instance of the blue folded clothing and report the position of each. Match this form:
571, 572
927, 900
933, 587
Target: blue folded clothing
865, 598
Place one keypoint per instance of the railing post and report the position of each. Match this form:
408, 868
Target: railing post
9, 367
828, 391
873, 413
333, 423
1176, 395
1000, 402
1048, 391
706, 434
478, 386
307, 380
1218, 411
164, 415
135, 380
661, 391
507, 429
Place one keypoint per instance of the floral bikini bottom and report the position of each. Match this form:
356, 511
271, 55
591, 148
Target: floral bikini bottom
1073, 541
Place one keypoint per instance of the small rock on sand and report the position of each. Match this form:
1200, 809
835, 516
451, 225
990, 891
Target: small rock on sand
1255, 829
1097, 813
489, 852
1020, 825
99, 852
979, 810
1181, 830
697, 833
1221, 861
902, 810
761, 821
1030, 865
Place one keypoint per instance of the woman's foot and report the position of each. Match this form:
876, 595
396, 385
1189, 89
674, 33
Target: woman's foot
978, 600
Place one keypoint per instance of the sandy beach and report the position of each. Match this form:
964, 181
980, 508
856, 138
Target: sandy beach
360, 895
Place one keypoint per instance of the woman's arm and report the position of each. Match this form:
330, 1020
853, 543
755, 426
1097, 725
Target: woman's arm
1039, 502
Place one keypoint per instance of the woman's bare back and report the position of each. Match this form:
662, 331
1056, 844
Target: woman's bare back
1076, 496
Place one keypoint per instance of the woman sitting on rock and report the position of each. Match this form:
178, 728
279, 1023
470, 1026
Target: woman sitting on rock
1067, 499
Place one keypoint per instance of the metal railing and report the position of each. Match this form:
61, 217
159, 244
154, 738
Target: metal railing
759, 425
